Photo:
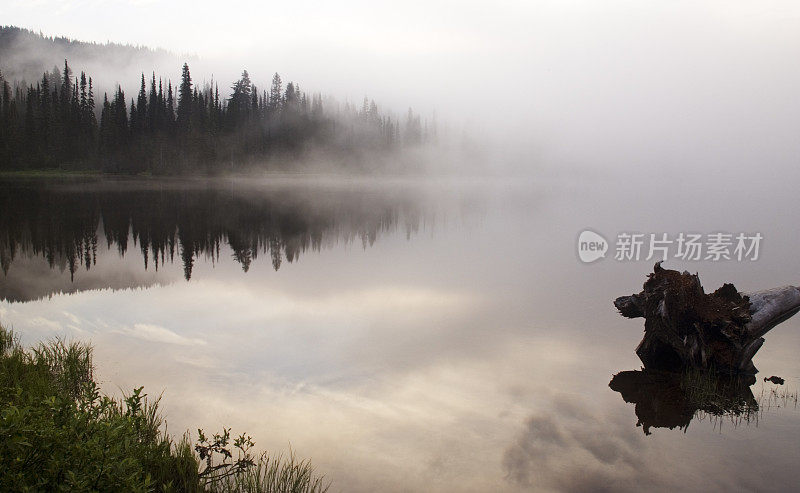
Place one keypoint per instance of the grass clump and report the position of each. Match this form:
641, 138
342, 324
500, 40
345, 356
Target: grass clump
264, 474
59, 433
716, 394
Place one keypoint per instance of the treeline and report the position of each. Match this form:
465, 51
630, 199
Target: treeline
61, 123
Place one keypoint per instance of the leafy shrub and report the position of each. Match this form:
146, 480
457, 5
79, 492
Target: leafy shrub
58, 433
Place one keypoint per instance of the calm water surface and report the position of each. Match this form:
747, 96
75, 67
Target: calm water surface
403, 336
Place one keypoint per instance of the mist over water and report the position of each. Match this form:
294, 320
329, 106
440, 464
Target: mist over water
432, 336
433, 327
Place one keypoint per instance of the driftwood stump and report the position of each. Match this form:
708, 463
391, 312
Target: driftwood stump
685, 327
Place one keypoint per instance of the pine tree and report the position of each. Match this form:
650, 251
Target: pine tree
290, 96
170, 104
7, 125
66, 85
90, 105
275, 95
45, 123
105, 126
162, 107
84, 104
134, 117
152, 106
141, 109
185, 100
239, 102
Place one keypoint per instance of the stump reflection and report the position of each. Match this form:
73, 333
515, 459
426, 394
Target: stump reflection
671, 400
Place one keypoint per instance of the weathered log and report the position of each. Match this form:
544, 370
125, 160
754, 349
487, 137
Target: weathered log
770, 307
685, 327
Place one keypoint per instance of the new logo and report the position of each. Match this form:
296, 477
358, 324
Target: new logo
591, 246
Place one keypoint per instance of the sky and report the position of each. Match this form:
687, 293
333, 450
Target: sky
629, 84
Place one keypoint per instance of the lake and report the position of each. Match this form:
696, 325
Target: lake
407, 335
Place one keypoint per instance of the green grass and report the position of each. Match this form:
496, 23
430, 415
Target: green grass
272, 474
719, 398
59, 433
717, 394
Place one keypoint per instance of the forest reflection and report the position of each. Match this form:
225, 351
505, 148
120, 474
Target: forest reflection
66, 224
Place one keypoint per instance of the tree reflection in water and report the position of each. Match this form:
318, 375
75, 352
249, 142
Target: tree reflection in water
64, 223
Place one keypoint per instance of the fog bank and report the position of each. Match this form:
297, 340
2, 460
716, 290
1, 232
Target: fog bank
656, 86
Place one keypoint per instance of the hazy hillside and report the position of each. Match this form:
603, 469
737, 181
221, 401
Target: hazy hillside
24, 55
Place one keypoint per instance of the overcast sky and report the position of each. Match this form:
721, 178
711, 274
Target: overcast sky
709, 83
